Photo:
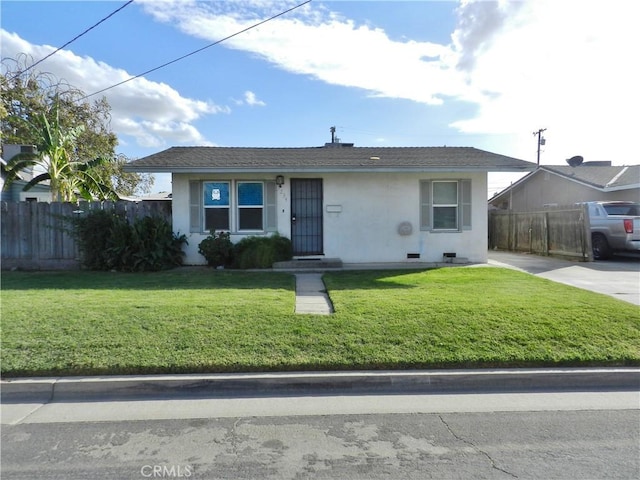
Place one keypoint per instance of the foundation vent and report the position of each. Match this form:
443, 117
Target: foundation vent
447, 257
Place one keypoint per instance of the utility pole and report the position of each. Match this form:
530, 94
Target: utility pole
541, 141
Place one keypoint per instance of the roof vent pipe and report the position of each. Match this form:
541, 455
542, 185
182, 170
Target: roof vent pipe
335, 141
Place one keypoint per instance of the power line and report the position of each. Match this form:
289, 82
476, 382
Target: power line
75, 38
196, 51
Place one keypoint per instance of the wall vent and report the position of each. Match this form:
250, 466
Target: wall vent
447, 257
413, 255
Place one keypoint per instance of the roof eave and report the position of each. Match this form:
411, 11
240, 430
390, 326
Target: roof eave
330, 169
621, 187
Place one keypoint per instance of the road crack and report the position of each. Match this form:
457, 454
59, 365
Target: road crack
493, 463
234, 438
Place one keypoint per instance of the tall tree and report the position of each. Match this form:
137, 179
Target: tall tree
67, 178
27, 96
127, 184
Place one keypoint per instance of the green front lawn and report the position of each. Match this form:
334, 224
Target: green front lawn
200, 320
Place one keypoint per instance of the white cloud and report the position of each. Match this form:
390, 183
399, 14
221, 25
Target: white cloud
151, 112
321, 44
567, 66
251, 100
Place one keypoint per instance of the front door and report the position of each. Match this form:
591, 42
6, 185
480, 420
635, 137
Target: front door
306, 216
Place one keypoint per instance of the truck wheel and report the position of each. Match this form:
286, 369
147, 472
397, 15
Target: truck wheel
601, 250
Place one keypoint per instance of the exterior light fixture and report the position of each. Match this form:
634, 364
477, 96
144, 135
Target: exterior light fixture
280, 181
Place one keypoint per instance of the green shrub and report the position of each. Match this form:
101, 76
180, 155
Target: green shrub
93, 235
261, 252
217, 249
245, 252
119, 249
109, 242
282, 248
154, 245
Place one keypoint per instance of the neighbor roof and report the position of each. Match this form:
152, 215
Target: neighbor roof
324, 159
609, 177
603, 178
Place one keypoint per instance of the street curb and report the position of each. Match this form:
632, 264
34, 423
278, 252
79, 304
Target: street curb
319, 383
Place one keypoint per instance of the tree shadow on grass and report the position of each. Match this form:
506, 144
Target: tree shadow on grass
185, 278
374, 279
196, 278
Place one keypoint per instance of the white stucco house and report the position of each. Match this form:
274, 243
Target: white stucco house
356, 204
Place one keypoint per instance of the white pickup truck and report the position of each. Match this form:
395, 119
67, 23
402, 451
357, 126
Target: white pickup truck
615, 227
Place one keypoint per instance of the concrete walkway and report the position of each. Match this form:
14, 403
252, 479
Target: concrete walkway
618, 277
311, 295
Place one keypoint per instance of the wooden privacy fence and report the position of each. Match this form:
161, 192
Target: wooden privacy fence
560, 231
38, 235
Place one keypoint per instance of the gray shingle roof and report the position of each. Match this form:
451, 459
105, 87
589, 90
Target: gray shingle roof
599, 176
325, 159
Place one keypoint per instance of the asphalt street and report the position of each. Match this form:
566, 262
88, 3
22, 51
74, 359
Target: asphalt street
590, 435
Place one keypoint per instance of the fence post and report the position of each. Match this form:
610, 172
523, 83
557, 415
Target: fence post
587, 248
510, 241
546, 233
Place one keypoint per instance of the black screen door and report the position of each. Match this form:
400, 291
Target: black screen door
306, 216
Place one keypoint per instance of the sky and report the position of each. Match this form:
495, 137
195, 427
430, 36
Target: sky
484, 74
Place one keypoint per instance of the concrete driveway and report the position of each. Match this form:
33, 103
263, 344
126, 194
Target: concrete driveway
618, 277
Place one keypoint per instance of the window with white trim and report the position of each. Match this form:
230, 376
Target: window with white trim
445, 205
216, 206
233, 206
250, 206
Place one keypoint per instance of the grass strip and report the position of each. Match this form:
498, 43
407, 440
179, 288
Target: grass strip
197, 320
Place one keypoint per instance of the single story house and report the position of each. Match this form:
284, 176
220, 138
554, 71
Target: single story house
356, 204
560, 185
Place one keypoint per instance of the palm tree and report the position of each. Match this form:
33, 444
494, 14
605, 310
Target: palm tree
68, 178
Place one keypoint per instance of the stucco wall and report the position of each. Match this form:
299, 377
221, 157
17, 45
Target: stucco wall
371, 207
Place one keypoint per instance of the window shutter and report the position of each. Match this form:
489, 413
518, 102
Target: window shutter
425, 205
465, 204
270, 215
195, 207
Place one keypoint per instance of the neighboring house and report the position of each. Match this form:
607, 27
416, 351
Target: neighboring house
559, 185
14, 192
357, 204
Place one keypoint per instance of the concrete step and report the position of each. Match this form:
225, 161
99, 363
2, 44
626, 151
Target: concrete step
308, 264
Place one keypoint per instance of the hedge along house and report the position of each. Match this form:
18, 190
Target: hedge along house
356, 204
